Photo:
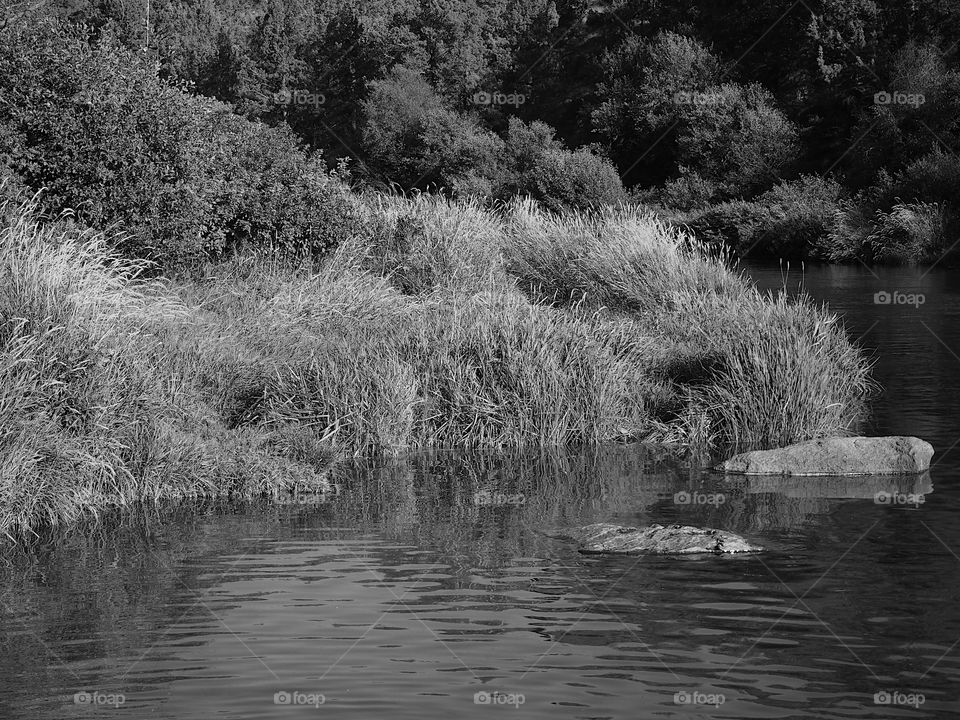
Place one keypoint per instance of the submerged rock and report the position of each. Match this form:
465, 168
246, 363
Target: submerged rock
895, 455
656, 539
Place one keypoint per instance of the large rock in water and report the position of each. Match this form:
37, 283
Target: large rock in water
896, 455
656, 539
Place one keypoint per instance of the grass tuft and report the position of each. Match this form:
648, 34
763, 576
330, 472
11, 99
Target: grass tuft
441, 324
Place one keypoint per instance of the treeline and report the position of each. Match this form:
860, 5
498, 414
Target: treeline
824, 129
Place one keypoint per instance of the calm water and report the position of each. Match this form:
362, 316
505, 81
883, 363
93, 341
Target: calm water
426, 580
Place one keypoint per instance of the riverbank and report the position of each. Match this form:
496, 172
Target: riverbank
440, 324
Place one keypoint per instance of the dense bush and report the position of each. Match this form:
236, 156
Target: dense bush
93, 125
907, 233
792, 220
666, 113
917, 112
908, 217
542, 168
416, 140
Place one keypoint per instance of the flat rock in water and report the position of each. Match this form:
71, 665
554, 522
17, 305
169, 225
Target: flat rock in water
656, 539
894, 455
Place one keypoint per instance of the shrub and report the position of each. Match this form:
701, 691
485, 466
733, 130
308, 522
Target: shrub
665, 112
909, 233
903, 218
542, 168
735, 136
417, 141
790, 221
688, 192
94, 125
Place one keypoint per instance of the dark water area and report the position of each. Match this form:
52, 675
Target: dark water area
425, 587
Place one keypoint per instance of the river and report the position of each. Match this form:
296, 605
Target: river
424, 586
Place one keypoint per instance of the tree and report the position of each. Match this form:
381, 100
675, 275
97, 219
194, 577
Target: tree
666, 114
418, 141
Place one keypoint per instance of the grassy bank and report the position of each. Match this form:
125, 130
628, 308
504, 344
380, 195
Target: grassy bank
437, 324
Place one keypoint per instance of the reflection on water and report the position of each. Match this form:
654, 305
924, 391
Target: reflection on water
425, 587
427, 580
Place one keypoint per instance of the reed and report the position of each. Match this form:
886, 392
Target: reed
442, 324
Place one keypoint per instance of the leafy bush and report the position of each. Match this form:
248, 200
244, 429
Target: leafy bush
904, 218
417, 141
542, 168
891, 135
666, 113
789, 221
688, 192
909, 233
735, 136
182, 175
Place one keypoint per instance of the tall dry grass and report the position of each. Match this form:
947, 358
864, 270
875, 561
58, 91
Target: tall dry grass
442, 324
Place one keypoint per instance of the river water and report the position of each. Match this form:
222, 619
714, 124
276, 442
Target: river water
424, 586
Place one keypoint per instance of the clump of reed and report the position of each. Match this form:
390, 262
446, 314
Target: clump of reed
442, 324
94, 409
750, 370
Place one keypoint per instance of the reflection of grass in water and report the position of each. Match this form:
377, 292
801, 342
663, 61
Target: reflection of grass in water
428, 500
